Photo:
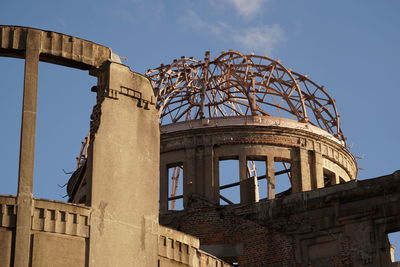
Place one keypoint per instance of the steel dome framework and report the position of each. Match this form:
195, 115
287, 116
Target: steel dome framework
235, 84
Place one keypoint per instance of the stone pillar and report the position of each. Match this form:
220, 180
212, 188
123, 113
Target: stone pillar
248, 186
271, 177
164, 186
295, 173
318, 168
335, 179
189, 172
27, 151
210, 185
216, 178
125, 171
305, 176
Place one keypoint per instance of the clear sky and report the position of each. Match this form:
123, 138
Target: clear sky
350, 47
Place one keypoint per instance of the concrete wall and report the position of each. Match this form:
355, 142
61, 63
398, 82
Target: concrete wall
199, 148
341, 225
57, 231
121, 174
123, 160
177, 249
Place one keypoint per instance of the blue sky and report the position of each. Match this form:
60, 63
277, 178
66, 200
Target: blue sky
350, 47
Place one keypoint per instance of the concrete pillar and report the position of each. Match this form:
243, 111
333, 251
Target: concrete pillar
27, 151
164, 186
248, 185
216, 178
295, 173
335, 179
189, 172
211, 186
318, 169
305, 174
199, 186
125, 171
271, 177
243, 177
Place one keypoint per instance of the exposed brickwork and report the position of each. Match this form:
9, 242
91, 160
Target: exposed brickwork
261, 246
339, 226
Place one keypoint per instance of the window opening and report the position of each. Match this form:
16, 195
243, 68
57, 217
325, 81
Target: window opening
12, 86
329, 178
175, 187
65, 103
257, 168
283, 186
229, 181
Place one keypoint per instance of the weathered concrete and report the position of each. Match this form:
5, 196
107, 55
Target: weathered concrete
27, 150
341, 225
178, 249
34, 45
327, 218
124, 163
200, 147
119, 181
53, 250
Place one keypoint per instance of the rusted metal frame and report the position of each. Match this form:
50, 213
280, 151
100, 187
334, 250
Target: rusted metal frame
204, 88
175, 197
226, 200
183, 113
299, 92
222, 112
239, 67
239, 103
316, 110
321, 89
258, 178
184, 96
264, 85
175, 184
83, 151
165, 104
287, 170
178, 108
233, 110
241, 89
295, 110
278, 107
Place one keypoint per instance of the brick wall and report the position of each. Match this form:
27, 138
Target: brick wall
261, 247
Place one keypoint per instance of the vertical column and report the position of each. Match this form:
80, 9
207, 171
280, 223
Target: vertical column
305, 170
210, 184
125, 178
248, 186
216, 177
199, 185
189, 172
295, 174
163, 186
319, 174
27, 150
335, 179
243, 177
271, 177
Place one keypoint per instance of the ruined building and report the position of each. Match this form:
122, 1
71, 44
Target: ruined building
184, 166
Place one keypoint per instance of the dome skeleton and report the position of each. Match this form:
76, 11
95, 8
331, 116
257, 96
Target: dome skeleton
234, 84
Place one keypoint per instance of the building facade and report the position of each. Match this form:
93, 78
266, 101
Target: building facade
149, 188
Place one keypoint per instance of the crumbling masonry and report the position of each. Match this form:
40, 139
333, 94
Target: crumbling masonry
149, 187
